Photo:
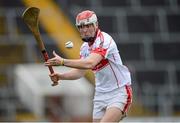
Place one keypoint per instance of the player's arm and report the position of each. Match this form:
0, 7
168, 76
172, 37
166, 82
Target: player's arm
70, 75
87, 63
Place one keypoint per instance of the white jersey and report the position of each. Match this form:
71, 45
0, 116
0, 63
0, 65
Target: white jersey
110, 73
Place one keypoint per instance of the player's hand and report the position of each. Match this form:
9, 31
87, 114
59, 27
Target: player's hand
55, 61
54, 77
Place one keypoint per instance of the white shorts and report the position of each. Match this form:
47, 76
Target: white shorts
120, 98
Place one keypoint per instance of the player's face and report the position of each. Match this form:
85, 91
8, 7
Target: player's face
87, 30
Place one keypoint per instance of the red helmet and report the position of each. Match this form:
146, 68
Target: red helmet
86, 17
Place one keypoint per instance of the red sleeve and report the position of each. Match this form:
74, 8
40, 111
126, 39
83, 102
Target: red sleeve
100, 51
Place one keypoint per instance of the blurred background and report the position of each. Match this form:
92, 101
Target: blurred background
147, 33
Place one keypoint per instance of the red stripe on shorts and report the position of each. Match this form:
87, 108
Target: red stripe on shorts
129, 98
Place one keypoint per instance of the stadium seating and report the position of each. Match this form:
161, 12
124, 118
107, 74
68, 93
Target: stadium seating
154, 3
166, 51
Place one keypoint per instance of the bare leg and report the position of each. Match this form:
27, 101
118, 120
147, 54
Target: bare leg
113, 114
96, 120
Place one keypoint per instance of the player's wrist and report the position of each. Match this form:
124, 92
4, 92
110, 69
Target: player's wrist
62, 62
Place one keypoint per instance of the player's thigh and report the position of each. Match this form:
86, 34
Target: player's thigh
112, 114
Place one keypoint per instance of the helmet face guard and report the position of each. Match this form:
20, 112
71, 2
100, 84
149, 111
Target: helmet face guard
85, 18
